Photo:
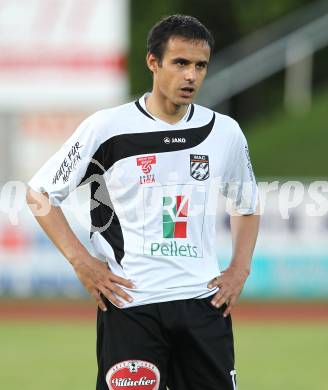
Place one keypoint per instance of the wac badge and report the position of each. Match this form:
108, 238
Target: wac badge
199, 166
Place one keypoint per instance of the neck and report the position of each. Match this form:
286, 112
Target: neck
162, 108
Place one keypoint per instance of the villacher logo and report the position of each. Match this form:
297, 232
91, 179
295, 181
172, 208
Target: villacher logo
133, 374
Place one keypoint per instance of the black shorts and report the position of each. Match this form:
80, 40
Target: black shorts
183, 345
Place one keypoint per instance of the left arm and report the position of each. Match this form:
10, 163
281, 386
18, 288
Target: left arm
244, 230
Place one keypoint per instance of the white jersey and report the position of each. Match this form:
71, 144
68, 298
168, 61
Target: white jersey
154, 189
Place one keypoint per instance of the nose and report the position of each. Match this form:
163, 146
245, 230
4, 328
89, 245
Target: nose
190, 74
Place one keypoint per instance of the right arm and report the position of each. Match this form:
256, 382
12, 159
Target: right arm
56, 179
93, 273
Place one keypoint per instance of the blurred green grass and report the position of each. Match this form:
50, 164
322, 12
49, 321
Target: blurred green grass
281, 356
286, 145
47, 356
62, 356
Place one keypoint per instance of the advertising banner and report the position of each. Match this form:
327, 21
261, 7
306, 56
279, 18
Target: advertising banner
62, 54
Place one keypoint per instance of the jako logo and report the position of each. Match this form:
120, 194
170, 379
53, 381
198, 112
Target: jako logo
179, 140
175, 212
168, 140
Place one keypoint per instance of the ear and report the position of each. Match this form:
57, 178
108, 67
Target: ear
152, 62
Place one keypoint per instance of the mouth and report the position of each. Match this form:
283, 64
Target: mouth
187, 91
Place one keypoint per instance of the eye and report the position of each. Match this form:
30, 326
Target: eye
201, 65
181, 63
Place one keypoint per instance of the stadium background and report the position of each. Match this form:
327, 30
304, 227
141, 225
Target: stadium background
63, 59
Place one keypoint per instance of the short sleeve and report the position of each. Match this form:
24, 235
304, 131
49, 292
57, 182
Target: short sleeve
238, 182
67, 168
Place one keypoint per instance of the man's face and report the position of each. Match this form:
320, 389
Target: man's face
182, 70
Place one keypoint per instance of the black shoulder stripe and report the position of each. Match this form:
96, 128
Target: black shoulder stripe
142, 110
126, 145
191, 113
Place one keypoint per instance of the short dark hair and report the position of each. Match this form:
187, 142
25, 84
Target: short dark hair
184, 26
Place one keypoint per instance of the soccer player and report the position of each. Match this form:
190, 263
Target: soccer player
155, 168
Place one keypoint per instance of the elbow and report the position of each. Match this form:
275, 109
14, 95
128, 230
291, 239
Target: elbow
31, 196
28, 195
36, 200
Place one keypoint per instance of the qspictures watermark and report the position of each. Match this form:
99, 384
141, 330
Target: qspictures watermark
281, 196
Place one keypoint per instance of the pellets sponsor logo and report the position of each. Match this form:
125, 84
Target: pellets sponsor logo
174, 222
199, 166
133, 374
175, 213
173, 248
146, 163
